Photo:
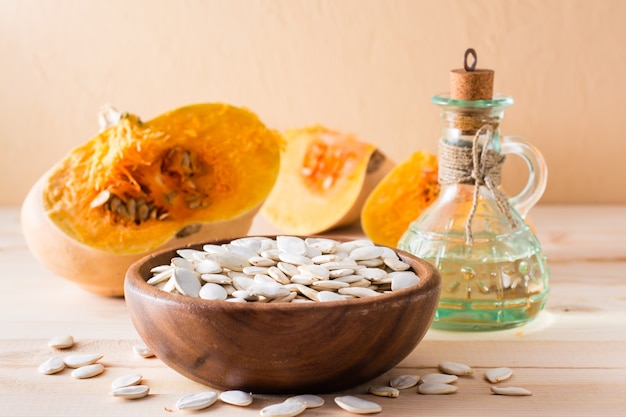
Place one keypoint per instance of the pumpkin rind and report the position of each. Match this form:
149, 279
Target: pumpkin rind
400, 198
234, 164
325, 177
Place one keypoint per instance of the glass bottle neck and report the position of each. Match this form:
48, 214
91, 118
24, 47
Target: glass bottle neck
462, 120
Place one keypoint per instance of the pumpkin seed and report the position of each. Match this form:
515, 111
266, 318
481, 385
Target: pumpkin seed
455, 368
403, 279
294, 258
287, 268
236, 397
439, 379
330, 296
291, 244
143, 351
278, 275
229, 260
216, 278
132, 392
269, 290
498, 374
366, 253
186, 282
52, 366
357, 405
161, 276
261, 261
310, 401
100, 199
358, 292
396, 264
370, 263
329, 285
197, 401
88, 371
207, 266
512, 391
373, 274
81, 359
433, 388
126, 381
384, 391
339, 273
315, 271
211, 291
284, 409
183, 263
61, 342
404, 381
323, 244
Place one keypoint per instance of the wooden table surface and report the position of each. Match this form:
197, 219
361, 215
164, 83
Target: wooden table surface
572, 358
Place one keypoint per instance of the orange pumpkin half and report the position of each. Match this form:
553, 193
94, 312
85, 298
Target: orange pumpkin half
400, 198
192, 174
325, 177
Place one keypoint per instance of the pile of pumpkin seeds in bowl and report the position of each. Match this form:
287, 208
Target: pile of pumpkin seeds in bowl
284, 269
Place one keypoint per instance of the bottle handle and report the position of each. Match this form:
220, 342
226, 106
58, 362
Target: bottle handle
537, 168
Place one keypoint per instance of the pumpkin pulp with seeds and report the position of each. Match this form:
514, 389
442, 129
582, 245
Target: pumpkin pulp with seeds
136, 184
194, 174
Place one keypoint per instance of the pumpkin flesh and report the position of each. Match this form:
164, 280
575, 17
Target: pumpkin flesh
400, 198
324, 178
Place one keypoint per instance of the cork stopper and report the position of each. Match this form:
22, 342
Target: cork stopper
470, 83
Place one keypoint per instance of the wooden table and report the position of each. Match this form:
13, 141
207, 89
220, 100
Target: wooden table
572, 358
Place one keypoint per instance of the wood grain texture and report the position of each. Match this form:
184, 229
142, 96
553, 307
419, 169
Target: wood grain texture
573, 357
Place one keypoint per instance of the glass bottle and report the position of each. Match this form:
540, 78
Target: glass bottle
494, 274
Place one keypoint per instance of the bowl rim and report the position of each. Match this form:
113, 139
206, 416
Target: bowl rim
136, 282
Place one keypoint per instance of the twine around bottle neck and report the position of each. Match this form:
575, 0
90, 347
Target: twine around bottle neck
479, 166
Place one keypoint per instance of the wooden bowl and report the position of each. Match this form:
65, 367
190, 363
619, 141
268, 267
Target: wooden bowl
281, 348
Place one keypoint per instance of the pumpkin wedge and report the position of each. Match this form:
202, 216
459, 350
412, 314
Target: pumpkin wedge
325, 177
193, 174
400, 198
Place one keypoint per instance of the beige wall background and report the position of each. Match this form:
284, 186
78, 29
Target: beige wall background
364, 66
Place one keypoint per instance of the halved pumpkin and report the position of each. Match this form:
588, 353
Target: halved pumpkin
325, 177
400, 198
192, 174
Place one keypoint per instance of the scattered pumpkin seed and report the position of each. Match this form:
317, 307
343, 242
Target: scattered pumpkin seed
512, 391
52, 366
197, 401
88, 371
498, 374
439, 379
404, 381
455, 368
357, 405
384, 391
236, 397
132, 392
61, 342
126, 381
143, 351
311, 401
434, 388
284, 409
77, 360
